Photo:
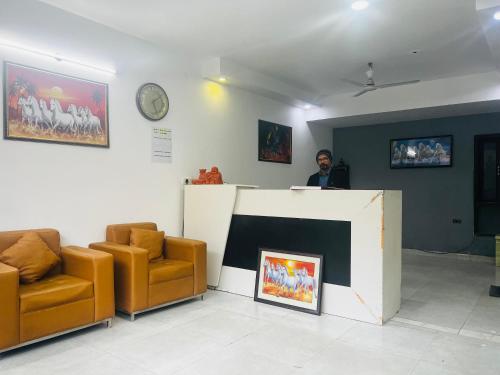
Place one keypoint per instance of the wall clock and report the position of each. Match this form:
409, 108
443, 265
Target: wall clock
152, 101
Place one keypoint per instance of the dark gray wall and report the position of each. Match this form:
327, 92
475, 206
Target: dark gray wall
432, 197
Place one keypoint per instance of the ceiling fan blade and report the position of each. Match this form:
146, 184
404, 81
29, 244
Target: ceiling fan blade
397, 84
362, 92
359, 84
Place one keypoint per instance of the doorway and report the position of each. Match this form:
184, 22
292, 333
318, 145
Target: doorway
487, 185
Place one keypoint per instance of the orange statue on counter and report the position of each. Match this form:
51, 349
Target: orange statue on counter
214, 177
202, 178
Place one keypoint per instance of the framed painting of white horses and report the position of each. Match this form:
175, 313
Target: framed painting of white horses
289, 279
421, 152
43, 106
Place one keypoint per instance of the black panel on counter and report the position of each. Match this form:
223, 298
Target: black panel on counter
330, 238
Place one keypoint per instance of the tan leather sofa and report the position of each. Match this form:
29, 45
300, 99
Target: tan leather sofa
142, 285
75, 294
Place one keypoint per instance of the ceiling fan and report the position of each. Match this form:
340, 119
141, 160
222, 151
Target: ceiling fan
370, 83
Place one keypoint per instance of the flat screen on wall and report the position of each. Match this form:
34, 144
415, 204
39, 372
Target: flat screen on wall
423, 152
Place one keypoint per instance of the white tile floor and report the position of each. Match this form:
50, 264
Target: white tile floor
447, 325
450, 294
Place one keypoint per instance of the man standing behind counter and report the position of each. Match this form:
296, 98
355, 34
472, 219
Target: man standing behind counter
324, 177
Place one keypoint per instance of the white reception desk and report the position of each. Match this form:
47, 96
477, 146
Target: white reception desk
374, 290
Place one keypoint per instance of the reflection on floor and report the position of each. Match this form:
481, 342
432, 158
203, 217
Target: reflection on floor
447, 325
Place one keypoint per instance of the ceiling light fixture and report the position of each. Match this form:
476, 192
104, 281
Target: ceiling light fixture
222, 79
360, 5
56, 56
497, 16
307, 106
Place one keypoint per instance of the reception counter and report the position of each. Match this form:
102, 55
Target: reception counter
357, 231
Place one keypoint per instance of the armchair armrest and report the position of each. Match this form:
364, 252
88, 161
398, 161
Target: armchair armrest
191, 251
97, 267
131, 275
9, 306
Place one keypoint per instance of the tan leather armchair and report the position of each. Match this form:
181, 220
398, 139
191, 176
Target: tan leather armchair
141, 284
75, 294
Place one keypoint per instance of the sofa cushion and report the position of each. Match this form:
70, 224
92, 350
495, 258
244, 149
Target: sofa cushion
49, 236
54, 291
168, 269
150, 240
31, 256
120, 233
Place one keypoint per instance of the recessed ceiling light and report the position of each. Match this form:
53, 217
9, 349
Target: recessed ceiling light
222, 79
307, 106
360, 5
497, 16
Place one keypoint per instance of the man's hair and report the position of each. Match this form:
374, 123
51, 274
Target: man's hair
325, 152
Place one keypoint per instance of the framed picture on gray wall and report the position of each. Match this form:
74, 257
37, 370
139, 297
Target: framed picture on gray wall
422, 152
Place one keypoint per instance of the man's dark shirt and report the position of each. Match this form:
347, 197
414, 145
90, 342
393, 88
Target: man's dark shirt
314, 180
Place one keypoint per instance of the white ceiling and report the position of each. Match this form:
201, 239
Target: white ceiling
413, 114
310, 44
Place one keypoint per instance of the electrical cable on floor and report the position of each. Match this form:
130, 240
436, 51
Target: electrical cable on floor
463, 251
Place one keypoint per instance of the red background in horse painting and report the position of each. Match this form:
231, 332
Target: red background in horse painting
74, 90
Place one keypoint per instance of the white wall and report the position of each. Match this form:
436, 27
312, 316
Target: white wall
79, 190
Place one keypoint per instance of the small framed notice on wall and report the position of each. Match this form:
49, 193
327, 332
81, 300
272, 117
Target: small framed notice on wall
161, 145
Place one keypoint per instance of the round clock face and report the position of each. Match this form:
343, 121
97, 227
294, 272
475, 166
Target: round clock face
152, 101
